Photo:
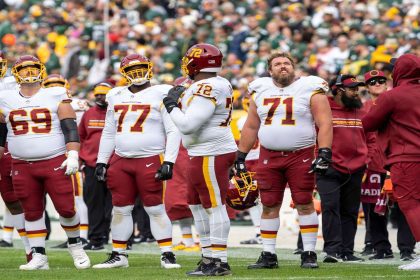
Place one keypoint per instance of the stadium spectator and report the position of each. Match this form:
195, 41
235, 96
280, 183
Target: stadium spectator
396, 114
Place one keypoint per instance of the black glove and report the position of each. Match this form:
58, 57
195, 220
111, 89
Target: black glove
100, 172
239, 164
165, 171
171, 100
322, 162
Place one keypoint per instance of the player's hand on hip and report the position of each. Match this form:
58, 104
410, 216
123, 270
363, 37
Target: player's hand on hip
239, 165
165, 171
171, 100
100, 172
322, 162
71, 163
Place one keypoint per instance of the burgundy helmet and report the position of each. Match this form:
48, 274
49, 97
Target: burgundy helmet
243, 192
201, 58
136, 69
28, 69
56, 80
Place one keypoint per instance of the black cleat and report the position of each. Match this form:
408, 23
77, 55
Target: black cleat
332, 258
266, 260
93, 247
308, 260
5, 244
368, 250
380, 255
203, 265
350, 258
218, 268
168, 261
406, 255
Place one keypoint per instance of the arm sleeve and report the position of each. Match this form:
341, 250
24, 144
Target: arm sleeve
107, 143
198, 112
173, 138
379, 113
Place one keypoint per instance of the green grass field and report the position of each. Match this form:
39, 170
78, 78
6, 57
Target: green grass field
144, 264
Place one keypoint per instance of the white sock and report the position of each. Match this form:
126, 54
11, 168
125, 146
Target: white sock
202, 225
309, 230
186, 230
81, 209
36, 231
8, 226
19, 222
121, 227
219, 231
160, 226
255, 213
71, 226
269, 229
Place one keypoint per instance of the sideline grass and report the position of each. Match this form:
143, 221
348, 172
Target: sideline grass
144, 264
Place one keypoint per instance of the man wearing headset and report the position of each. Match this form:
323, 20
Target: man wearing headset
339, 187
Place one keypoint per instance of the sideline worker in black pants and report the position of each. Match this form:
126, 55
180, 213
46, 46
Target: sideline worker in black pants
96, 194
339, 187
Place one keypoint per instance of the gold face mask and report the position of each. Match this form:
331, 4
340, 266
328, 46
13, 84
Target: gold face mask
3, 67
138, 73
29, 72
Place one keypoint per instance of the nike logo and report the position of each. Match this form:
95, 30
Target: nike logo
150, 164
305, 160
7, 153
83, 262
55, 169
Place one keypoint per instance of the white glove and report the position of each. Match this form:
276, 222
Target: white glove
72, 163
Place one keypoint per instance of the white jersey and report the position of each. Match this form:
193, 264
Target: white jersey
80, 106
8, 83
137, 125
34, 131
212, 136
285, 113
254, 153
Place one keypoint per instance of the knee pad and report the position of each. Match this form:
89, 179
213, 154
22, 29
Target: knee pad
156, 210
32, 216
123, 210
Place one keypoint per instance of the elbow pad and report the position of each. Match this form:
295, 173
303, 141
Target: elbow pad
3, 134
69, 128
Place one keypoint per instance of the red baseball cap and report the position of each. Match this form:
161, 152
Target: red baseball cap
351, 82
374, 74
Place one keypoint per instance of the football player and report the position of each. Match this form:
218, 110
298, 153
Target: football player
13, 216
282, 113
176, 202
80, 107
140, 132
42, 139
203, 119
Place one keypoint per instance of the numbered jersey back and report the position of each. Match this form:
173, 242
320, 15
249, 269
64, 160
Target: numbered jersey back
215, 136
285, 113
34, 131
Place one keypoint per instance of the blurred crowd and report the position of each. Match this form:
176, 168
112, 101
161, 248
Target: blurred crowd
326, 37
